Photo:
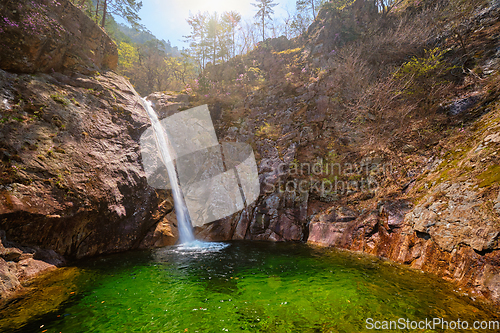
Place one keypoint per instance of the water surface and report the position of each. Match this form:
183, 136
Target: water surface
244, 287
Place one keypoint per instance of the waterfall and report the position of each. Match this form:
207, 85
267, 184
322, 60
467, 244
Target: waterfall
162, 142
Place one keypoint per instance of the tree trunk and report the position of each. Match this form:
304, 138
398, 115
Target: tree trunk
97, 12
263, 26
215, 43
104, 10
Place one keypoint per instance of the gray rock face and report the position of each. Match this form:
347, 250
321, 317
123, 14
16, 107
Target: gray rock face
278, 215
459, 106
452, 216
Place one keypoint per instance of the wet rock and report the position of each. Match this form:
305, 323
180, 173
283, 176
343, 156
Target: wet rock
329, 228
335, 214
164, 233
221, 230
242, 224
490, 281
326, 234
393, 213
29, 268
11, 253
20, 263
167, 104
461, 105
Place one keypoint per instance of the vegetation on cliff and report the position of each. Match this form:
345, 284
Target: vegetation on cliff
376, 129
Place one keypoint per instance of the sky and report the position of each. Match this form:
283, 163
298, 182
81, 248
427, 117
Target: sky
166, 19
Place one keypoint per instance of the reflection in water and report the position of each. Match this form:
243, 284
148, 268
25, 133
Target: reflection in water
246, 287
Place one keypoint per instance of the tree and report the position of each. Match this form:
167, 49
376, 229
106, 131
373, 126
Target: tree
212, 37
385, 6
312, 5
232, 19
198, 37
126, 9
248, 37
265, 10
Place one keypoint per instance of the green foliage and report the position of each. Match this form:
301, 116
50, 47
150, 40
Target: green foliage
212, 37
269, 131
150, 69
424, 73
337, 4
101, 10
423, 67
127, 55
289, 51
309, 5
60, 99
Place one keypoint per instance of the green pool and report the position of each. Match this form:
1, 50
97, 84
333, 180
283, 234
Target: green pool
243, 287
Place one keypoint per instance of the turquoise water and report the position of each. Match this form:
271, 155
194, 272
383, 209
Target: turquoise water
244, 287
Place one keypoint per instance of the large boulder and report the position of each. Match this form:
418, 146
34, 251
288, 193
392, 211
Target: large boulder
19, 263
72, 178
48, 35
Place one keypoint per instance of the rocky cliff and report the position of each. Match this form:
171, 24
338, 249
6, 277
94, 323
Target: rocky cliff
72, 184
351, 159
349, 155
72, 179
52, 36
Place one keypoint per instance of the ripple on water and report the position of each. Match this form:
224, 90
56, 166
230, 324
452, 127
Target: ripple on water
234, 287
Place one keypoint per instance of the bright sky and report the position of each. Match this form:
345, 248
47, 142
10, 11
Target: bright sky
166, 19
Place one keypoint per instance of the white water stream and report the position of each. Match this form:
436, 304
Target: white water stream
167, 156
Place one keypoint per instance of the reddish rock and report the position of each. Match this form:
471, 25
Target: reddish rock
162, 234
387, 232
21, 263
75, 182
47, 36
217, 231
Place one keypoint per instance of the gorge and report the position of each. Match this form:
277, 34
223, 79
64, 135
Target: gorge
382, 141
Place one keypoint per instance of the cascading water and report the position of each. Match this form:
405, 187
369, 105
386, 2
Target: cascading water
183, 220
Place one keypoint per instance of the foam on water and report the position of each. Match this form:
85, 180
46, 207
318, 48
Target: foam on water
198, 247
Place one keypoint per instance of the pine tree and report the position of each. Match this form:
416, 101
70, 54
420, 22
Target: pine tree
126, 9
312, 5
265, 11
